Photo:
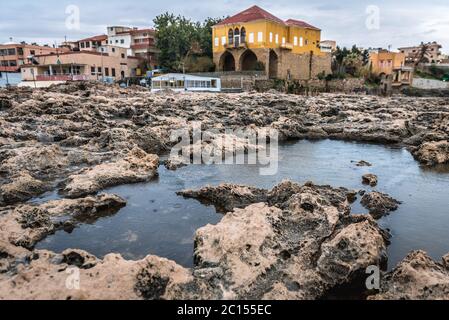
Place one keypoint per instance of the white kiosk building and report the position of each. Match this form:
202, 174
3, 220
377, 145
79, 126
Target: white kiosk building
185, 82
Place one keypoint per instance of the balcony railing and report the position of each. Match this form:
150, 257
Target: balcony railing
287, 46
62, 77
241, 45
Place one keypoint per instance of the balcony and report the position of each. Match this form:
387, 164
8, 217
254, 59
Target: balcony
287, 46
241, 45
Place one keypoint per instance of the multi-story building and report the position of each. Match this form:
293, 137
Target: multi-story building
13, 55
432, 53
92, 43
257, 40
328, 45
139, 42
80, 65
391, 65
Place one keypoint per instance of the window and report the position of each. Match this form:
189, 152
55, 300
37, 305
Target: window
271, 36
88, 44
116, 41
230, 37
82, 45
113, 49
106, 72
260, 37
223, 41
122, 41
113, 72
20, 51
277, 39
123, 56
295, 41
301, 42
32, 52
145, 34
251, 37
283, 40
217, 41
99, 70
92, 71
243, 35
307, 42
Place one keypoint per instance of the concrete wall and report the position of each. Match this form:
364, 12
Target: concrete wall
421, 83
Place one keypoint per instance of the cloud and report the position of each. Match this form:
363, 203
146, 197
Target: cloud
403, 22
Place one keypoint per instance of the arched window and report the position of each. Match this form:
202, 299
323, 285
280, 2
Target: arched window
230, 36
236, 37
243, 35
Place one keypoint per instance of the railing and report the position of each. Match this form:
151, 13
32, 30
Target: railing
287, 46
230, 73
79, 77
241, 45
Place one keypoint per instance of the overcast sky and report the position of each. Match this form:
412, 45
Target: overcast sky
402, 22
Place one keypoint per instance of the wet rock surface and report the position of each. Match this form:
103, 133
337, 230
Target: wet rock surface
25, 225
417, 277
291, 242
298, 245
370, 179
379, 204
137, 166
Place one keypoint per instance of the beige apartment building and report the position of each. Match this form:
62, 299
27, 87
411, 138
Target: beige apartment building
13, 56
81, 65
433, 53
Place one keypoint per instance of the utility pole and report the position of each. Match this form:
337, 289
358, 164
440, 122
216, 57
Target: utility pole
102, 65
6, 72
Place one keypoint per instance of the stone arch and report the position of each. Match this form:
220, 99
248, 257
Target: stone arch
248, 61
273, 65
227, 62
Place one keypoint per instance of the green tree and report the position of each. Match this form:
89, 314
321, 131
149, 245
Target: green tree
181, 42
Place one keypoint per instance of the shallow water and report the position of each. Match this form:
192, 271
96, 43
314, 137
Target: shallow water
157, 221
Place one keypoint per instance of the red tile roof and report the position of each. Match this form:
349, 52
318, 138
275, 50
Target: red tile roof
252, 14
102, 37
301, 24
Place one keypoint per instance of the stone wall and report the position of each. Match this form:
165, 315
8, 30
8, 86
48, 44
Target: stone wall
421, 83
289, 65
312, 86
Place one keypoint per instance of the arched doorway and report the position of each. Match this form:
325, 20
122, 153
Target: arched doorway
274, 61
227, 62
248, 61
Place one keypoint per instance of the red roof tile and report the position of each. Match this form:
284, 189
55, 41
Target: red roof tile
102, 37
252, 14
301, 24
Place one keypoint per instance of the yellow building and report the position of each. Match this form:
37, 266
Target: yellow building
257, 40
391, 65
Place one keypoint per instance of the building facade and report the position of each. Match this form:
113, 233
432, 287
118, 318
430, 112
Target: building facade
257, 40
432, 53
391, 66
139, 42
81, 65
92, 43
13, 56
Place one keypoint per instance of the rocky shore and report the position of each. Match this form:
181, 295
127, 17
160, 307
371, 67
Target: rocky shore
292, 242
